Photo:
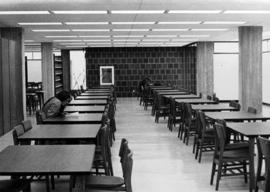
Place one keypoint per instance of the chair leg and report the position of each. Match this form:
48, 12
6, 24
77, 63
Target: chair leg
48, 183
213, 173
245, 171
218, 175
52, 182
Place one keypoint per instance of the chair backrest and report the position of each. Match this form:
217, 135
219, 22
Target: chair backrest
209, 97
40, 116
201, 123
123, 148
220, 139
235, 105
27, 125
252, 110
264, 145
18, 131
127, 165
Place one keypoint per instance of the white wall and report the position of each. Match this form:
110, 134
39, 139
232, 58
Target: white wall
77, 69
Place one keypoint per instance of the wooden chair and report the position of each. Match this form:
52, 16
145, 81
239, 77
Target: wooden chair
27, 125
40, 116
263, 154
174, 115
229, 162
235, 105
161, 109
190, 123
252, 110
18, 131
15, 185
204, 140
182, 120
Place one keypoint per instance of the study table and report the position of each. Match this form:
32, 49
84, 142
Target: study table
97, 91
172, 93
88, 102
182, 96
95, 94
85, 108
195, 101
214, 107
86, 97
27, 160
251, 130
88, 118
62, 132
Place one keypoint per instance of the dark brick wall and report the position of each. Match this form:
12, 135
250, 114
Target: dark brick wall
174, 65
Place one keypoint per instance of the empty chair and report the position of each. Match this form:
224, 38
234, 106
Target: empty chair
15, 185
190, 123
161, 109
263, 154
27, 125
235, 105
174, 115
226, 161
252, 110
18, 131
40, 116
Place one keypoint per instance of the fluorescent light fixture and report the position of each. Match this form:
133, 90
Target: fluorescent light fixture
97, 40
162, 36
41, 23
72, 43
86, 23
80, 12
24, 12
126, 40
50, 30
179, 22
61, 36
137, 11
64, 40
169, 29
116, 43
74, 46
192, 36
130, 29
128, 36
184, 40
224, 22
98, 43
95, 36
195, 11
133, 23
246, 12
155, 40
219, 29
90, 30
28, 40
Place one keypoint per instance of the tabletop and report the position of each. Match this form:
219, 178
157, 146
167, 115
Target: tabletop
46, 159
182, 96
91, 97
89, 118
236, 116
85, 108
95, 94
195, 101
251, 129
172, 93
214, 107
61, 132
88, 102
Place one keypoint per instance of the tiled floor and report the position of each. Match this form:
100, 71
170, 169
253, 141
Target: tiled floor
162, 163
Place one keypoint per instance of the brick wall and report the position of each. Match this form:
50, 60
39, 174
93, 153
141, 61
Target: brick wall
174, 65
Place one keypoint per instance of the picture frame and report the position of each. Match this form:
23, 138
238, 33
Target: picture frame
106, 74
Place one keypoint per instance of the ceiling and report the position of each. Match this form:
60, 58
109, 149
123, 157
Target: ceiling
185, 21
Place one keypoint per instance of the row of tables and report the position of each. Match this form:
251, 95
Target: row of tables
26, 160
236, 119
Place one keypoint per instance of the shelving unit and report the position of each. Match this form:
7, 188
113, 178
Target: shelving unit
58, 74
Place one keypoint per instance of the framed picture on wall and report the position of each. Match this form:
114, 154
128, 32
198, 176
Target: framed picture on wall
106, 74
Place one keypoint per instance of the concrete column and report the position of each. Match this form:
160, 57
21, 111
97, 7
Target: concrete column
66, 68
12, 81
250, 67
47, 70
205, 71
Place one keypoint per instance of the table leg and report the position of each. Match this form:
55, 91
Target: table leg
79, 184
251, 164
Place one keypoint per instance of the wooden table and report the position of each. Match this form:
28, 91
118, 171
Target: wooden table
62, 132
237, 116
182, 96
85, 108
85, 97
26, 160
88, 102
252, 131
214, 107
194, 101
88, 118
172, 93
95, 94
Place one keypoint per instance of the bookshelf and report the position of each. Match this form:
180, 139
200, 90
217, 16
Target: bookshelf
58, 74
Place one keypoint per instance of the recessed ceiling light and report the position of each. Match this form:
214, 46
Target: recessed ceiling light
224, 22
79, 12
50, 30
133, 23
160, 36
169, 29
91, 30
28, 40
41, 23
64, 40
247, 12
188, 36
126, 40
137, 11
210, 29
95, 36
96, 40
195, 11
61, 36
24, 12
128, 36
72, 43
74, 46
119, 43
86, 23
180, 22
98, 43
184, 40
155, 40
130, 29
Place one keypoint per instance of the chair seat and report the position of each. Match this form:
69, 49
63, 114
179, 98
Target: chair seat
14, 185
104, 181
237, 154
236, 146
